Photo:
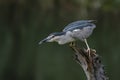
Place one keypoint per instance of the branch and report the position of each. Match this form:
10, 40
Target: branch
91, 64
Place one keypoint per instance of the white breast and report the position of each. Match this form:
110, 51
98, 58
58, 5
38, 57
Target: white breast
66, 38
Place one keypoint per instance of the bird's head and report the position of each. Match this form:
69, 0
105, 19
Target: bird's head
53, 37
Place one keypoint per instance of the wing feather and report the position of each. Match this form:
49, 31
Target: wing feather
79, 25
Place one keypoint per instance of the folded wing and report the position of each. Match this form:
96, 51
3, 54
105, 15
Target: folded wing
79, 25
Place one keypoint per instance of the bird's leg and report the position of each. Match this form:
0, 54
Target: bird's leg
72, 44
88, 48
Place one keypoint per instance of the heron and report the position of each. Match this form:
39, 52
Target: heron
77, 30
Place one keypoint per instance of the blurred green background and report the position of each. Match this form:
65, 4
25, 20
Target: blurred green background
23, 23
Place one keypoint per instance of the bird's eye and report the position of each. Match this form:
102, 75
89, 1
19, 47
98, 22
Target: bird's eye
51, 36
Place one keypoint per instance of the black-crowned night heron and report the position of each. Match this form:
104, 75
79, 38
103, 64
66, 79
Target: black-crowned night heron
80, 30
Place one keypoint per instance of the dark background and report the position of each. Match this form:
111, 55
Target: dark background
23, 23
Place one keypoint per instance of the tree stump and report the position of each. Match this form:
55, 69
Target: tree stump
90, 63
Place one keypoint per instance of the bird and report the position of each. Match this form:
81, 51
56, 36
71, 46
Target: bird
77, 30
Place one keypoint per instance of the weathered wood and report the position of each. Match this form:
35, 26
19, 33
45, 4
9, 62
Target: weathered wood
90, 63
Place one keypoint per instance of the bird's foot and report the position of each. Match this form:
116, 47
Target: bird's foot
91, 52
88, 51
72, 44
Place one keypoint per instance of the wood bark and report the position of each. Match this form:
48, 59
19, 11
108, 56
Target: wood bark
90, 63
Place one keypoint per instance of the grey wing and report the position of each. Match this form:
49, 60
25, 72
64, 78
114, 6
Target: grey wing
78, 25
83, 33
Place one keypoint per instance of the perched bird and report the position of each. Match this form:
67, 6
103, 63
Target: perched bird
78, 30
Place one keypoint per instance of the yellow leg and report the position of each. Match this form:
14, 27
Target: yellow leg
88, 48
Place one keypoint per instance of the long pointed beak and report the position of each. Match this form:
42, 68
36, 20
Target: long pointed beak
42, 41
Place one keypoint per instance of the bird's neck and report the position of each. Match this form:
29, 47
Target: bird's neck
66, 38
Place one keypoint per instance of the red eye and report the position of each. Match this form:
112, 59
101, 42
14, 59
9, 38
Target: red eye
51, 36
